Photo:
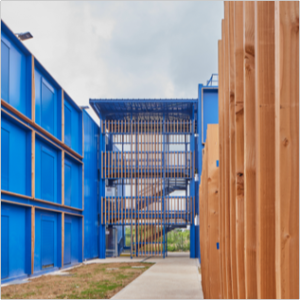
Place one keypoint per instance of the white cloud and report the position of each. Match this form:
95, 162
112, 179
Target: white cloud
121, 49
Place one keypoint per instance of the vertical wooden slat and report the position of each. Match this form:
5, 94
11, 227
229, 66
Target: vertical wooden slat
227, 152
212, 156
32, 90
232, 148
249, 152
221, 163
63, 177
265, 147
239, 147
287, 148
32, 164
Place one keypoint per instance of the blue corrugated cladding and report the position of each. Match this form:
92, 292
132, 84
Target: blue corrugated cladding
91, 208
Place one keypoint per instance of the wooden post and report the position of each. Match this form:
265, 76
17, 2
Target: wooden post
232, 148
249, 152
204, 241
33, 164
212, 156
265, 147
227, 152
239, 147
221, 165
63, 177
32, 237
32, 90
62, 238
287, 148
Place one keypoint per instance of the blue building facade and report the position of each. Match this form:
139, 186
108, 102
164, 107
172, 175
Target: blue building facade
50, 168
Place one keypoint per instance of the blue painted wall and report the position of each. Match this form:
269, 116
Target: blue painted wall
47, 245
73, 124
47, 102
15, 68
47, 171
91, 208
15, 157
16, 164
72, 240
208, 113
15, 237
73, 182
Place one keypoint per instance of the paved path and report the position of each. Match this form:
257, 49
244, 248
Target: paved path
175, 277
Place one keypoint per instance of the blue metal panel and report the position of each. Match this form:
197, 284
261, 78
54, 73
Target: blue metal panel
47, 237
68, 184
209, 108
4, 246
91, 209
13, 237
68, 126
5, 70
207, 114
47, 106
73, 125
14, 67
73, 240
46, 248
47, 171
68, 243
4, 159
14, 153
73, 184
47, 101
118, 108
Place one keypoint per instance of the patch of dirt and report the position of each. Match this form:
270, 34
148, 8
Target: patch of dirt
92, 281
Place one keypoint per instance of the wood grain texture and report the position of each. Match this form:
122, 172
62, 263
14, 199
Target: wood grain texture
212, 156
233, 251
265, 147
249, 151
221, 167
203, 228
287, 148
32, 90
32, 164
239, 147
227, 152
63, 177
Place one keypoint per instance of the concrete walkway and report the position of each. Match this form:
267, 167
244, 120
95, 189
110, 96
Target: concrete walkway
175, 277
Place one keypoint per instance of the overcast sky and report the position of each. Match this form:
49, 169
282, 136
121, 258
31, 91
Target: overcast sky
122, 49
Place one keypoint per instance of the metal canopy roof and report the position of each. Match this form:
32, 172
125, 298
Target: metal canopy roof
144, 108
